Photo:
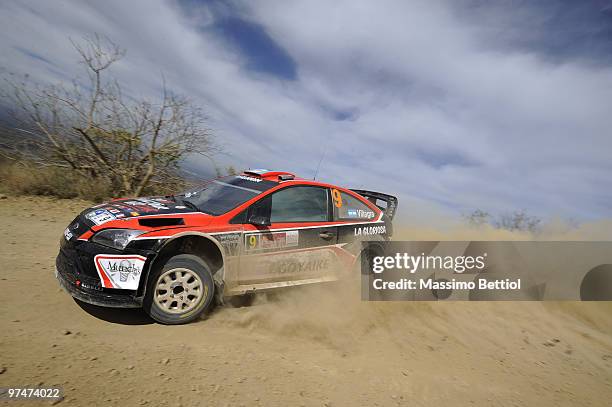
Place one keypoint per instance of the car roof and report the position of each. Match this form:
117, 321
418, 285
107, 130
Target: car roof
282, 177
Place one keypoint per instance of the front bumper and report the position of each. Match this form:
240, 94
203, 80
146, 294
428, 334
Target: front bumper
76, 273
95, 297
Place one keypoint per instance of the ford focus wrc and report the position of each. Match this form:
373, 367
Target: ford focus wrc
234, 235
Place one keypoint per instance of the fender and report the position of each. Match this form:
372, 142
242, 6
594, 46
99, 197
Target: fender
171, 239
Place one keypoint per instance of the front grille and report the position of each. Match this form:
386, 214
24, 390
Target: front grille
69, 270
64, 265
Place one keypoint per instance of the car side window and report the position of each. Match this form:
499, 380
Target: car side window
347, 207
299, 204
261, 208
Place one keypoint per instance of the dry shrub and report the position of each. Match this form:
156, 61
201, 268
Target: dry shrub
24, 178
21, 179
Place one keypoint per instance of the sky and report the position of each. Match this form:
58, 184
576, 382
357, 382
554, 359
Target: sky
450, 105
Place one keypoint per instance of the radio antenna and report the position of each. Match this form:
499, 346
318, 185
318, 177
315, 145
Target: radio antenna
319, 165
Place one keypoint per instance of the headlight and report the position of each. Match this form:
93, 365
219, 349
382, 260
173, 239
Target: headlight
116, 238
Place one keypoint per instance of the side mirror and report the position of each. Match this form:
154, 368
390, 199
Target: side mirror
259, 220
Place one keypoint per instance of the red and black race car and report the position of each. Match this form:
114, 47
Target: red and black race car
234, 235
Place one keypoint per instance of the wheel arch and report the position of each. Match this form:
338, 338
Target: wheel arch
199, 244
370, 248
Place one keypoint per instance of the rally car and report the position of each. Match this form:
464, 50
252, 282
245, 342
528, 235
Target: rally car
234, 235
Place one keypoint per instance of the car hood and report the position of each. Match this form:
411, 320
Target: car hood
131, 207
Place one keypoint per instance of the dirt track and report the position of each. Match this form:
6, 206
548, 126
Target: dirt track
313, 347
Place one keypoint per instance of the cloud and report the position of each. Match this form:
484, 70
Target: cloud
261, 52
444, 104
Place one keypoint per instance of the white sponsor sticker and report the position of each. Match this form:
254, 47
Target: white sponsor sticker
247, 178
147, 202
119, 271
370, 230
68, 234
293, 237
272, 240
359, 213
100, 216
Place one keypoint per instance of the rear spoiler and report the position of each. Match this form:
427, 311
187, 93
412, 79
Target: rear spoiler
390, 202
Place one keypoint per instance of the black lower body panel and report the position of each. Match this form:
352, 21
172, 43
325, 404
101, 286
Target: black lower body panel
88, 289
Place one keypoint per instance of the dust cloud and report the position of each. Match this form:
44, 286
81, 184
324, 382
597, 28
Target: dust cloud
311, 346
335, 316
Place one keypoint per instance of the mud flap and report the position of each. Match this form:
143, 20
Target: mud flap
219, 286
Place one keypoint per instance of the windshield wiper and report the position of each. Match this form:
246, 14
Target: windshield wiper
193, 206
190, 205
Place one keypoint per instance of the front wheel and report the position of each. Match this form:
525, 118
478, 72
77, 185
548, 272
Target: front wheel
180, 291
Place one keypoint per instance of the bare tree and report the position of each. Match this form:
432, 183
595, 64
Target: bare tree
93, 129
516, 221
477, 218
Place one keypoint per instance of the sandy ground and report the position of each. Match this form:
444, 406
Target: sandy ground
313, 347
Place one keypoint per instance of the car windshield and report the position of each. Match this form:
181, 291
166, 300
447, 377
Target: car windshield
224, 194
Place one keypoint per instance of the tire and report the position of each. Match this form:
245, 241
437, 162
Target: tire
365, 259
179, 291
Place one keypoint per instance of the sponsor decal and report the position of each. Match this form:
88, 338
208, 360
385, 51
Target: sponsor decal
359, 213
68, 234
271, 240
292, 237
247, 178
297, 266
370, 230
296, 263
91, 287
100, 216
119, 271
228, 238
364, 214
230, 242
147, 205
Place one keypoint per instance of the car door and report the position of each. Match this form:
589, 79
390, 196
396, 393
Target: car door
297, 244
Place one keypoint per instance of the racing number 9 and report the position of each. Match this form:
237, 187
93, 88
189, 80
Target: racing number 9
337, 198
252, 241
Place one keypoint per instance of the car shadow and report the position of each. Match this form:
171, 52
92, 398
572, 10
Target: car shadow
123, 316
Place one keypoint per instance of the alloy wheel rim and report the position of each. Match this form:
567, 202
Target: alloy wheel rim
178, 291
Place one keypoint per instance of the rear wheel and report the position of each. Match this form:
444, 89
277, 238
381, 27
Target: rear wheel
180, 290
365, 265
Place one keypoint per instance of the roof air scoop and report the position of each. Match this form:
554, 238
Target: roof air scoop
271, 175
